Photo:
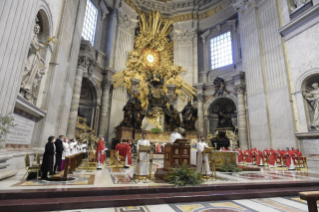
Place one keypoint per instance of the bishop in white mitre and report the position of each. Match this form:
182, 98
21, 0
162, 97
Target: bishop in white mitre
144, 159
175, 135
200, 148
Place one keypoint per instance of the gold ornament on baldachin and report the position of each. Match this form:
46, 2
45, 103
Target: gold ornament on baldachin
153, 54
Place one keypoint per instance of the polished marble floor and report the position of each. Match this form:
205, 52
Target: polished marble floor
277, 204
119, 177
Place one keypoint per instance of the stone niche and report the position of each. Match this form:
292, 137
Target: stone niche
310, 93
309, 140
37, 60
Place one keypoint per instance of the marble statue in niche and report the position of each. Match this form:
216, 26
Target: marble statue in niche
313, 98
34, 68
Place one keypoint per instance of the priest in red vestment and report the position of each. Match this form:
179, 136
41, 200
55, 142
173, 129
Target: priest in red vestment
259, 158
298, 153
121, 148
100, 153
239, 156
248, 156
290, 163
272, 158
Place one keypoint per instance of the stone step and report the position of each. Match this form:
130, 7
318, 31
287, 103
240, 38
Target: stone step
14, 194
84, 202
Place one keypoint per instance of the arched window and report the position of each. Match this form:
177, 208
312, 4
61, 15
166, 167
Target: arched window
221, 50
90, 20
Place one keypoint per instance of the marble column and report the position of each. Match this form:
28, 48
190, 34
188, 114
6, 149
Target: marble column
75, 102
241, 116
104, 107
200, 114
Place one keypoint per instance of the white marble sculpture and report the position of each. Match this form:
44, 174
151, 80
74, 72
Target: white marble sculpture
313, 98
34, 67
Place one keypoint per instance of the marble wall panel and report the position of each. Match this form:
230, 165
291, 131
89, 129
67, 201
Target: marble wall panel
258, 121
310, 146
16, 25
282, 122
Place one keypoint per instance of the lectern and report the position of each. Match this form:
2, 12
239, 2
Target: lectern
176, 154
208, 155
147, 150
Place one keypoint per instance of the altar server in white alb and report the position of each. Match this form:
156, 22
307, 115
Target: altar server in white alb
74, 145
175, 135
83, 148
200, 148
66, 152
144, 159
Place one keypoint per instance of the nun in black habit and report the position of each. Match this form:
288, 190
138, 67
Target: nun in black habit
48, 158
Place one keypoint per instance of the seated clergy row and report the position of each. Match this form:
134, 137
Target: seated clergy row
55, 152
273, 158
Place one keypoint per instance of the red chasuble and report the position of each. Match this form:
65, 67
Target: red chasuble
288, 157
121, 148
299, 154
158, 148
100, 147
259, 157
240, 156
272, 157
248, 156
128, 154
279, 152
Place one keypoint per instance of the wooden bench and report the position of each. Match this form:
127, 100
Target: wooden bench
311, 197
64, 173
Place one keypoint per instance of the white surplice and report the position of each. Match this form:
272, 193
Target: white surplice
66, 151
200, 148
83, 147
174, 136
74, 145
144, 159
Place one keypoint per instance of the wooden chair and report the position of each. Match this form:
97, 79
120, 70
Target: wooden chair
114, 159
305, 164
30, 168
38, 159
279, 160
254, 162
297, 161
311, 197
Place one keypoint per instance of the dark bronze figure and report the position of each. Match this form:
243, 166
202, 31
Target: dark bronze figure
172, 119
189, 114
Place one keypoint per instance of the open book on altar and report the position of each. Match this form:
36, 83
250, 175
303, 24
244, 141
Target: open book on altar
181, 141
